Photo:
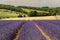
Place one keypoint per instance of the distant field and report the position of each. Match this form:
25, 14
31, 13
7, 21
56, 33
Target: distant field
35, 18
12, 14
10, 11
29, 10
7, 13
58, 17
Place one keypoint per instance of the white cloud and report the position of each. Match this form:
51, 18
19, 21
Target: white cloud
32, 2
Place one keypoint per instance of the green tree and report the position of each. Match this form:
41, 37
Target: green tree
33, 13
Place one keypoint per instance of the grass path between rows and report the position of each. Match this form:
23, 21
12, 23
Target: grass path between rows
42, 32
18, 33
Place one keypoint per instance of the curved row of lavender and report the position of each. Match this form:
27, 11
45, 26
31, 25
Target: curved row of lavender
30, 32
8, 28
51, 27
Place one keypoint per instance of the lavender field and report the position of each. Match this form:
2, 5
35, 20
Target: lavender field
30, 30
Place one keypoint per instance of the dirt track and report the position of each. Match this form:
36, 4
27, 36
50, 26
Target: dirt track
42, 32
34, 18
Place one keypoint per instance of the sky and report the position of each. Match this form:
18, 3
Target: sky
34, 3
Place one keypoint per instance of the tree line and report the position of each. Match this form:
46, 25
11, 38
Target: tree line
52, 11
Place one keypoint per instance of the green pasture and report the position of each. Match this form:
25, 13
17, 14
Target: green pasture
7, 14
29, 10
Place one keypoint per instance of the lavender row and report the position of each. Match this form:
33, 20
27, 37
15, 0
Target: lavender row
56, 22
8, 28
30, 32
51, 29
